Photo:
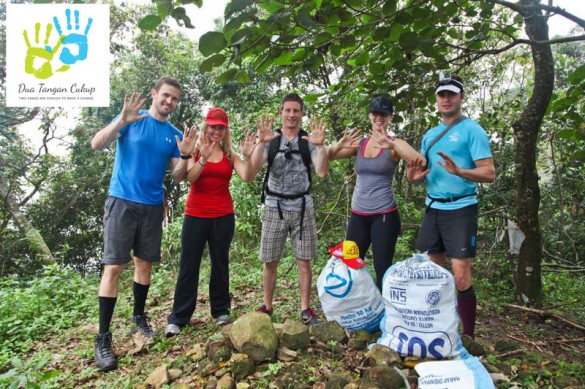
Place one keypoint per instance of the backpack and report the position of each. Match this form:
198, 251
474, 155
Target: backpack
273, 149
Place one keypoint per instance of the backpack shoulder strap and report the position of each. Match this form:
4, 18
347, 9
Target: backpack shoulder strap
272, 151
304, 150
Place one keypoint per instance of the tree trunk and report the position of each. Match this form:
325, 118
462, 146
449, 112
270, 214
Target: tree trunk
526, 129
31, 234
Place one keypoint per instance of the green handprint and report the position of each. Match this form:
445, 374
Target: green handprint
47, 53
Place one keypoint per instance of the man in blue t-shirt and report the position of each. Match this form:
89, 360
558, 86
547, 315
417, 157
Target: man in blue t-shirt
134, 211
457, 161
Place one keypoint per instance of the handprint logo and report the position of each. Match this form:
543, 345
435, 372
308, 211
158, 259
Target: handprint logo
45, 52
73, 39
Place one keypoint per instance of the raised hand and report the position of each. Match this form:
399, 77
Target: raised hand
187, 145
350, 139
45, 52
73, 39
247, 145
414, 170
264, 124
317, 135
131, 108
449, 164
205, 146
382, 139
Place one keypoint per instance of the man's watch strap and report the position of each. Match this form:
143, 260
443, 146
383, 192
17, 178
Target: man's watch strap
188, 156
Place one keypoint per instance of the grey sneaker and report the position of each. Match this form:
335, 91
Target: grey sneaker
105, 360
223, 320
172, 330
142, 325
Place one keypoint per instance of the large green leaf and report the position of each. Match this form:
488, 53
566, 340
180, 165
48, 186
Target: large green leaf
408, 40
227, 76
164, 8
211, 42
285, 58
149, 22
578, 75
212, 62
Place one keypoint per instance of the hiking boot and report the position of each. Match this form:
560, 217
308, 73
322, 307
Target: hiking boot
105, 360
141, 325
172, 330
309, 317
222, 320
265, 310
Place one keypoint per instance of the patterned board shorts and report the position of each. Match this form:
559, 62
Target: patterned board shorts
275, 232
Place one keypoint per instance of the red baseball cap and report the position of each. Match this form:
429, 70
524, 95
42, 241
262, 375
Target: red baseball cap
349, 252
217, 117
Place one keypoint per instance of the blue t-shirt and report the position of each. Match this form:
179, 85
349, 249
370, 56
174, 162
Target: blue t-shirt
142, 155
464, 143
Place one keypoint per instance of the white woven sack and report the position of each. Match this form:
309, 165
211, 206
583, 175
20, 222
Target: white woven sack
467, 373
420, 310
350, 296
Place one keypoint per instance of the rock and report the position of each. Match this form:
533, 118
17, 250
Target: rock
384, 377
221, 372
174, 374
285, 354
294, 335
226, 382
472, 346
197, 352
206, 369
218, 350
242, 385
241, 365
504, 346
328, 331
359, 339
226, 329
159, 377
338, 380
211, 383
253, 334
381, 355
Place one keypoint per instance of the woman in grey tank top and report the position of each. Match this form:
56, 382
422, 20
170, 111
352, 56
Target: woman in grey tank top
374, 215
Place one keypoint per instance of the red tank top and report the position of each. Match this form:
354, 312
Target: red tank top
210, 194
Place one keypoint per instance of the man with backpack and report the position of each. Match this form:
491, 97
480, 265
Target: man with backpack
289, 154
459, 156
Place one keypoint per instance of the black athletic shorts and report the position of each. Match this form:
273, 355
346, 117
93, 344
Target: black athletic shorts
131, 229
451, 231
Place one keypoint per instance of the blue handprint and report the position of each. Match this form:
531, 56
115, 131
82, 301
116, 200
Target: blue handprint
67, 57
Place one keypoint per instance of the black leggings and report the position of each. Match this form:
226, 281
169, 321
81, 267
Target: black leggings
382, 232
217, 233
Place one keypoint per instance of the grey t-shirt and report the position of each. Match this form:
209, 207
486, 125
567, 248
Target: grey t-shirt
289, 176
373, 191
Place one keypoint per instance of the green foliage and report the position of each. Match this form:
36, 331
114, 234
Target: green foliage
33, 374
54, 301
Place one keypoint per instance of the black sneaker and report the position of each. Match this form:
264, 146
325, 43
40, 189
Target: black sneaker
142, 325
105, 360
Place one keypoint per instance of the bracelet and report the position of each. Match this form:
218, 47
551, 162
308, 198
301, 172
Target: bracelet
188, 156
202, 164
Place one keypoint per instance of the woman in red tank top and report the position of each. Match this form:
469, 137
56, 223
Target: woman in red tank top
209, 219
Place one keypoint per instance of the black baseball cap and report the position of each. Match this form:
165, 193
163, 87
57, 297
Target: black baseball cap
381, 104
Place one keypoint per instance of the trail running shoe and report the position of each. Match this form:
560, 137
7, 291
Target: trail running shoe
222, 320
172, 330
142, 325
265, 310
105, 360
309, 317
